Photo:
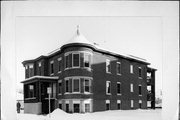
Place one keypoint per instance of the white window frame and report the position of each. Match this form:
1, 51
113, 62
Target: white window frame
59, 60
89, 85
132, 103
68, 86
73, 60
107, 88
141, 90
108, 102
120, 88
52, 62
108, 61
73, 85
131, 69
60, 81
117, 68
141, 72
119, 102
85, 53
131, 88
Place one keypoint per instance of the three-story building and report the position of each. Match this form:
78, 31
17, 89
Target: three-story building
86, 78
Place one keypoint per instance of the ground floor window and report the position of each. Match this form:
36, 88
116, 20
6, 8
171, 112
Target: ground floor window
140, 104
87, 107
76, 108
107, 104
118, 104
132, 103
60, 106
67, 107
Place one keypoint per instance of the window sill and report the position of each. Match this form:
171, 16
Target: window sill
60, 94
119, 74
108, 93
140, 77
140, 95
119, 94
59, 71
87, 68
108, 72
52, 74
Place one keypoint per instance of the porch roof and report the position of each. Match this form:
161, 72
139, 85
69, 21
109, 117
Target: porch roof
40, 77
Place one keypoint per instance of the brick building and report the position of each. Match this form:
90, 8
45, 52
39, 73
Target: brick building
86, 78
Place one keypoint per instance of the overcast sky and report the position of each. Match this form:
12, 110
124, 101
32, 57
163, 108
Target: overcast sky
138, 36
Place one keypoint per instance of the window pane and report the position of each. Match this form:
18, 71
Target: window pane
107, 106
87, 107
60, 87
140, 72
139, 90
75, 60
59, 65
86, 60
108, 66
67, 85
108, 87
52, 68
76, 85
131, 87
118, 88
67, 61
87, 85
131, 68
118, 68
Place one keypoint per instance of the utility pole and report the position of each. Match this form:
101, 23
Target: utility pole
49, 92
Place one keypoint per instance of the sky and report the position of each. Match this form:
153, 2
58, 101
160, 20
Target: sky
138, 36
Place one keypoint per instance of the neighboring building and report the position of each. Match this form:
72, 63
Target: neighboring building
87, 78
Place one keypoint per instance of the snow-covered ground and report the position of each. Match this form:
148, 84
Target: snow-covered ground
107, 115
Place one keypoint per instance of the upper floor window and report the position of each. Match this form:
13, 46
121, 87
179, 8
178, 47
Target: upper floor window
108, 66
66, 61
87, 58
76, 85
60, 86
39, 66
140, 93
87, 85
67, 85
31, 91
131, 88
76, 60
118, 65
108, 87
31, 70
140, 72
131, 69
52, 67
118, 88
59, 64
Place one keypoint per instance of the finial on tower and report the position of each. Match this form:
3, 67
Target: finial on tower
78, 33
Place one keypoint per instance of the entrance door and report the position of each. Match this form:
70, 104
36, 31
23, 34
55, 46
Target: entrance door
76, 108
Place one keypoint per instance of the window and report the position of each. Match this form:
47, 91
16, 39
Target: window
107, 104
31, 71
39, 67
140, 104
67, 107
87, 85
76, 60
67, 85
31, 91
60, 87
108, 87
52, 67
76, 85
131, 69
118, 88
131, 88
140, 72
87, 58
66, 61
87, 107
108, 66
118, 104
60, 105
118, 68
132, 103
59, 64
140, 90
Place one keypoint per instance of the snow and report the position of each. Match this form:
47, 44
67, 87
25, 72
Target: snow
105, 115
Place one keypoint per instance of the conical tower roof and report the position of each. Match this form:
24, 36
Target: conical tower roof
78, 38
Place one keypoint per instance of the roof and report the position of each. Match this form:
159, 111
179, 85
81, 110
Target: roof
40, 77
79, 38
